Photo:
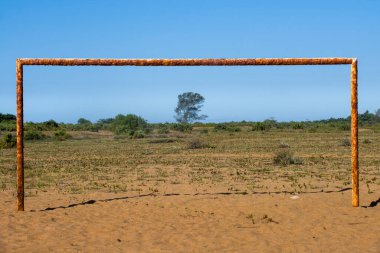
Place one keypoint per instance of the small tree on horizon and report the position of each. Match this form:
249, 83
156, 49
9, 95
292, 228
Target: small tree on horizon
188, 107
83, 121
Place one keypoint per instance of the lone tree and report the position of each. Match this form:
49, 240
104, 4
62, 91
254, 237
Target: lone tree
188, 107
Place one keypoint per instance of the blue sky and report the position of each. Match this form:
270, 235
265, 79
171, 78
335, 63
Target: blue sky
189, 29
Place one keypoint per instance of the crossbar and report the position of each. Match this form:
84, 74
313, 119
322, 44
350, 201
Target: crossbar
185, 62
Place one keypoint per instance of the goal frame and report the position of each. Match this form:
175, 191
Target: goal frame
20, 63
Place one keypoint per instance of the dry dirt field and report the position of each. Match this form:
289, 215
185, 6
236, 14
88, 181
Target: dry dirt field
101, 193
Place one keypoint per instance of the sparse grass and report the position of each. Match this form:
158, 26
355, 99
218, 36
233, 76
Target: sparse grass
251, 218
240, 162
204, 131
197, 144
163, 140
284, 145
286, 157
268, 219
345, 143
367, 141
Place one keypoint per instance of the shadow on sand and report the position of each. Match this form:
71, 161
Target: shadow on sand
93, 201
373, 203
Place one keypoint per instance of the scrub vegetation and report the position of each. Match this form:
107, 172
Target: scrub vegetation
127, 154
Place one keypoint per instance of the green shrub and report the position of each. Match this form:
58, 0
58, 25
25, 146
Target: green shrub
129, 124
34, 126
139, 134
119, 130
7, 117
61, 135
130, 121
50, 124
286, 157
220, 126
297, 125
86, 127
163, 128
225, 127
182, 127
9, 126
83, 121
258, 126
33, 135
93, 128
233, 129
8, 141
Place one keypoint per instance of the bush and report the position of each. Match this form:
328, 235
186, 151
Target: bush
198, 144
130, 121
33, 135
284, 145
297, 125
8, 141
204, 131
182, 127
286, 157
93, 128
234, 129
163, 129
61, 135
345, 143
7, 117
137, 134
83, 121
225, 127
120, 130
50, 124
367, 141
129, 124
220, 126
9, 126
258, 126
86, 127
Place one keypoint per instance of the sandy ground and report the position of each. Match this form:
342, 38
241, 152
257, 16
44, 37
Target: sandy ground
107, 222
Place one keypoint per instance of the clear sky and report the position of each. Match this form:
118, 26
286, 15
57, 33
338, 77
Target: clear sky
189, 29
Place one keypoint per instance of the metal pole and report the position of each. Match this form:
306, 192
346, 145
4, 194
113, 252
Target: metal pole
20, 136
185, 62
354, 133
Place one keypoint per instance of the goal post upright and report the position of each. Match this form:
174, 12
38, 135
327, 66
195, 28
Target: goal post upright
20, 135
184, 62
354, 133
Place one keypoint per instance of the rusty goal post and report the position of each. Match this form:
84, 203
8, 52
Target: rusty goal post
186, 62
